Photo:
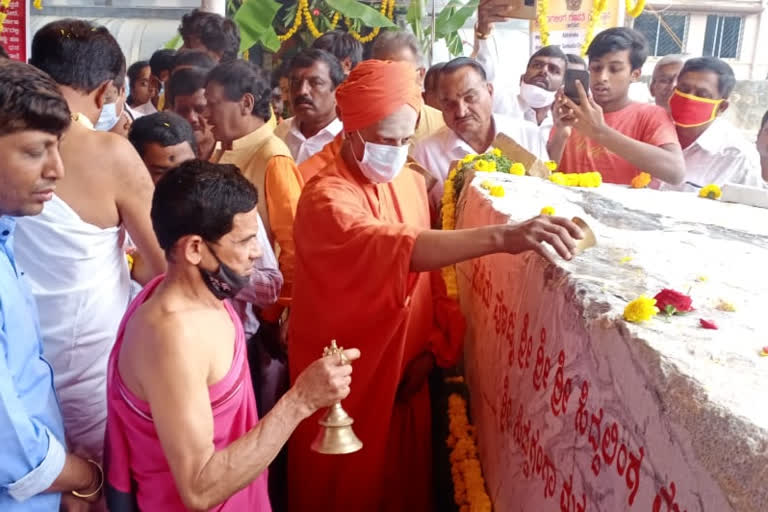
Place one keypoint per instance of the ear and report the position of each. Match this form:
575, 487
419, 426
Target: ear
246, 104
635, 75
346, 65
723, 107
191, 247
422, 71
490, 88
101, 94
338, 111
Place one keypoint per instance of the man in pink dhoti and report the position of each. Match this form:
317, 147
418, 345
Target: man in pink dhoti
182, 427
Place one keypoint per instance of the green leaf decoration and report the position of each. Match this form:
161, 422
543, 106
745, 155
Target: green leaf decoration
415, 16
369, 16
670, 310
454, 44
255, 20
455, 17
174, 43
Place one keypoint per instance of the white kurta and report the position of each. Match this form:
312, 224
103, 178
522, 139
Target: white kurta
79, 277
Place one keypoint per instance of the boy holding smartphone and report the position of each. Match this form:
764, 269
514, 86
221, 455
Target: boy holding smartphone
607, 132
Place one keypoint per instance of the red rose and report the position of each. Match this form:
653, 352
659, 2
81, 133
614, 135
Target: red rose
707, 324
672, 302
316, 12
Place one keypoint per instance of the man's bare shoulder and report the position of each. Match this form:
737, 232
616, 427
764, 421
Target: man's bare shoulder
164, 328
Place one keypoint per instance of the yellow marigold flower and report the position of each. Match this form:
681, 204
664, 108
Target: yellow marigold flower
641, 309
497, 191
38, 4
517, 169
468, 158
491, 165
547, 210
486, 184
551, 165
558, 178
481, 165
711, 191
625, 259
496, 152
642, 180
702, 279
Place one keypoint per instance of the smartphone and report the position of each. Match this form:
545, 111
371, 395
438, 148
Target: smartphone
571, 77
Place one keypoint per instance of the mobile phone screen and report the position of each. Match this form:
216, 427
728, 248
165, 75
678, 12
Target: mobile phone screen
571, 77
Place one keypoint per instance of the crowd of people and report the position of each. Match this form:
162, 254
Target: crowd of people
180, 239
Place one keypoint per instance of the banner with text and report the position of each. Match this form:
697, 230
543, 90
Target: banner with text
568, 21
14, 36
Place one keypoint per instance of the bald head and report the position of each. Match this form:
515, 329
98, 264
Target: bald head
399, 46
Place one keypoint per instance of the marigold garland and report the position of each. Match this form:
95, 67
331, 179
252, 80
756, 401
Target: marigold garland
387, 9
634, 10
577, 179
594, 16
467, 474
493, 161
542, 9
303, 15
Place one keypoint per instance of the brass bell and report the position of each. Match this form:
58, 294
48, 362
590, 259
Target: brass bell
336, 436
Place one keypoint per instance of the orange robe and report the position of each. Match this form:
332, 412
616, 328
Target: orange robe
354, 241
314, 164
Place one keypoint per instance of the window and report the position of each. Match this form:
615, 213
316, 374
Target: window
723, 36
665, 31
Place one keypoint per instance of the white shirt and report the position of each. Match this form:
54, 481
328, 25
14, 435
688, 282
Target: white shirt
720, 155
302, 147
506, 97
438, 151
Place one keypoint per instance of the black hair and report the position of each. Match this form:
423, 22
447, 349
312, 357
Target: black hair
77, 54
342, 45
618, 39
164, 128
726, 80
430, 78
134, 71
185, 82
240, 77
550, 51
199, 198
3, 53
162, 60
218, 34
576, 59
30, 100
194, 59
461, 63
308, 57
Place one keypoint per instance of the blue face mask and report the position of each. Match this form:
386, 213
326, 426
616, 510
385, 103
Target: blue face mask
108, 117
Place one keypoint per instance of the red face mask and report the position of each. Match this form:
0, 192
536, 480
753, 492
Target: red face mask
689, 111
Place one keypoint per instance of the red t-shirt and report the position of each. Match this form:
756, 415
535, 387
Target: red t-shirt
647, 123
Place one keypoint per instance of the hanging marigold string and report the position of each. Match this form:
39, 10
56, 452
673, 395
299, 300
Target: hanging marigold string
304, 16
387, 9
635, 10
594, 17
542, 9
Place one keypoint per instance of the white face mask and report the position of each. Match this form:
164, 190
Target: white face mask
535, 96
381, 163
108, 117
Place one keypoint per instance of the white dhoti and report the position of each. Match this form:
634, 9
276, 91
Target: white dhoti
79, 276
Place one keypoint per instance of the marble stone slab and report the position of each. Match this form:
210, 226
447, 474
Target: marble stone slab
578, 410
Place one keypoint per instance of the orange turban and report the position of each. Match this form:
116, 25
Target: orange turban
374, 90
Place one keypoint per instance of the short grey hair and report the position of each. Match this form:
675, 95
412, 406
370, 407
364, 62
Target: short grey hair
391, 41
670, 59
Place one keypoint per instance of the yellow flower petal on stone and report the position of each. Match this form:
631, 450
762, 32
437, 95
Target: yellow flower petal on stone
468, 158
497, 191
641, 309
711, 191
625, 259
547, 210
496, 152
517, 169
551, 165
